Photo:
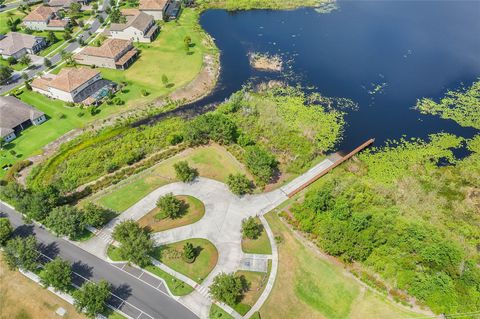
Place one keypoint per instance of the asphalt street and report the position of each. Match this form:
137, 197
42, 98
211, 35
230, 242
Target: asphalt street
132, 295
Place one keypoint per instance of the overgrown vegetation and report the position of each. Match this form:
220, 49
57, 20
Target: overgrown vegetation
233, 5
460, 105
401, 215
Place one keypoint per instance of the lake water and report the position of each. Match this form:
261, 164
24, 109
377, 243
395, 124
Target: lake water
413, 49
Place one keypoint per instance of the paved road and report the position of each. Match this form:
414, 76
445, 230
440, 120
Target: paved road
153, 303
17, 80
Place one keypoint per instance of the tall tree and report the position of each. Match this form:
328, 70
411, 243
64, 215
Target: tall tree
171, 206
136, 244
184, 172
227, 288
66, 221
91, 298
5, 230
22, 252
5, 73
58, 274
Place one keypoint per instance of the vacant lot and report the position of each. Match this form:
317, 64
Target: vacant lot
211, 161
21, 298
207, 256
195, 211
308, 285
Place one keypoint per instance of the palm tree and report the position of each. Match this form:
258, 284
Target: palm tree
25, 60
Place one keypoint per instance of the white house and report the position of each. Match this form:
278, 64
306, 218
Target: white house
15, 44
15, 116
140, 27
113, 54
69, 85
44, 18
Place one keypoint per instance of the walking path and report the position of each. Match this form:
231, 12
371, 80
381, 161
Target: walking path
221, 225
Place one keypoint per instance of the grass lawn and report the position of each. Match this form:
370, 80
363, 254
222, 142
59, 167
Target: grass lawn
212, 161
21, 298
309, 285
165, 56
261, 245
5, 16
195, 211
34, 138
256, 284
171, 255
218, 313
176, 286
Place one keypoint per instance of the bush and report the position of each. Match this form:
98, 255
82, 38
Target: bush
171, 206
95, 215
189, 253
261, 163
211, 126
239, 184
251, 229
184, 172
5, 230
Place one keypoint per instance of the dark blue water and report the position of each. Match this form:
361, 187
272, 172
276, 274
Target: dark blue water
414, 48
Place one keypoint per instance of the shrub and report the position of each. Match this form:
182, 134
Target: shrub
189, 253
184, 172
251, 229
227, 288
261, 163
239, 184
171, 206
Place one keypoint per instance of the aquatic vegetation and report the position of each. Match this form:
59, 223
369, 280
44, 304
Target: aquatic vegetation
462, 106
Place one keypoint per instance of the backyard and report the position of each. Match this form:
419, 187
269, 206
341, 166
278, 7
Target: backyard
211, 161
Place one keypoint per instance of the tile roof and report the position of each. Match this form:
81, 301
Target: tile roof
135, 18
14, 112
13, 42
67, 80
40, 13
109, 49
57, 23
152, 4
61, 3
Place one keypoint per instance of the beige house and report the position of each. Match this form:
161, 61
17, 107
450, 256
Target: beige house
112, 54
69, 85
140, 27
155, 8
15, 116
65, 4
15, 44
44, 18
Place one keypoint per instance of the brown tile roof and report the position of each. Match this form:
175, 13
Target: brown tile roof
127, 56
152, 4
14, 112
13, 42
135, 18
67, 80
61, 3
109, 49
57, 23
40, 13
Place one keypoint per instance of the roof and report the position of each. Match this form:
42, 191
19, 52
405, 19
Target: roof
14, 112
57, 23
135, 18
152, 4
109, 49
67, 80
13, 42
61, 3
40, 13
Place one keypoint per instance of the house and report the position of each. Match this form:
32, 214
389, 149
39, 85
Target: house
15, 116
112, 54
172, 10
155, 8
44, 18
139, 27
15, 44
78, 85
65, 4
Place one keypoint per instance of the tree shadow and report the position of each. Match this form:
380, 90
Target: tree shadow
24, 231
198, 250
82, 269
51, 250
123, 291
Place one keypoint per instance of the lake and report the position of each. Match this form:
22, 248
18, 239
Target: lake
406, 49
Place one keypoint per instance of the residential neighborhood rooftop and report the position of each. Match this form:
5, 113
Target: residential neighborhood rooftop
67, 80
40, 13
14, 112
13, 42
135, 18
152, 4
109, 49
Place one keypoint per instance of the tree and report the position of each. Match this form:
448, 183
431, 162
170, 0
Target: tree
25, 60
184, 172
28, 86
116, 16
47, 63
66, 35
164, 80
5, 73
25, 76
66, 221
250, 228
212, 126
67, 57
261, 163
189, 253
90, 298
171, 206
74, 8
5, 230
11, 60
227, 288
95, 215
58, 274
239, 184
22, 252
51, 37
136, 244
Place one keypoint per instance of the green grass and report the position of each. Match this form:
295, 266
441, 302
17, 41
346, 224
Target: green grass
5, 16
198, 270
261, 245
212, 161
176, 286
257, 4
110, 314
309, 285
194, 213
218, 313
31, 140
